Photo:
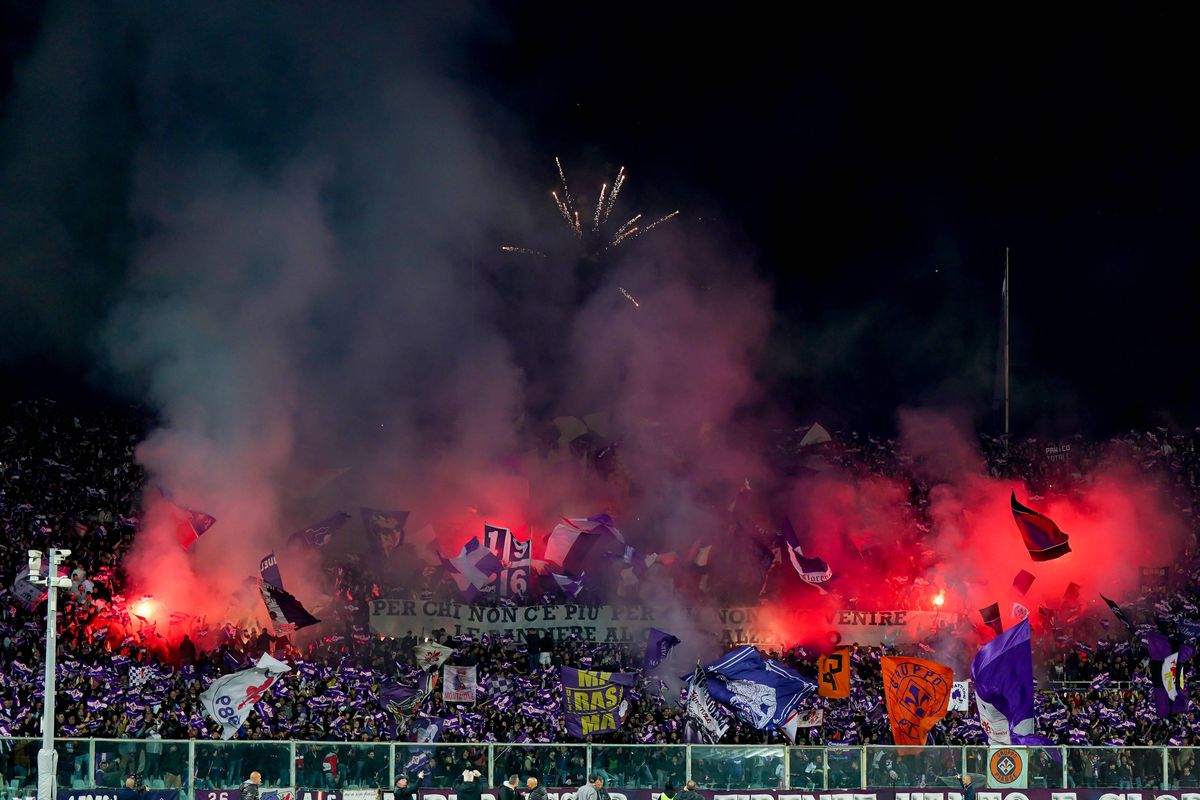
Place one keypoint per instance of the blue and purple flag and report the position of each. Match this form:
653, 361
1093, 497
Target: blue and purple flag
595, 702
1166, 673
1043, 539
472, 569
1003, 676
268, 568
318, 534
385, 530
764, 693
286, 612
658, 647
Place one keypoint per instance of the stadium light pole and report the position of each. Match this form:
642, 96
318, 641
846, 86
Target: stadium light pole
47, 756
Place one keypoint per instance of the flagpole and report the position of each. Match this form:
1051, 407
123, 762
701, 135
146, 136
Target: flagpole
1007, 383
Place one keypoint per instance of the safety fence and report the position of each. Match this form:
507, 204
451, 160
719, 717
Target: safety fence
198, 768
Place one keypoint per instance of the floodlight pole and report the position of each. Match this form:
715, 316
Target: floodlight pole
47, 756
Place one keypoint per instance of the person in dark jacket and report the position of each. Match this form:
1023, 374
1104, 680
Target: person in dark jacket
249, 788
405, 790
533, 791
690, 793
968, 792
469, 787
129, 790
509, 790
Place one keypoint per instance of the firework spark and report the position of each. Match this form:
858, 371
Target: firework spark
601, 239
630, 297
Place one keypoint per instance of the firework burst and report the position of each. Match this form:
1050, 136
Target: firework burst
600, 236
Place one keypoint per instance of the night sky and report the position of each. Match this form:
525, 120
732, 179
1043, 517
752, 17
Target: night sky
873, 169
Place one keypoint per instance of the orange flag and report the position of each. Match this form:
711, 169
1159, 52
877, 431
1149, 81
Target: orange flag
917, 693
833, 674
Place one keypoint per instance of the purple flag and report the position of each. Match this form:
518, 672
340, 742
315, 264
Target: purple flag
658, 646
1003, 675
1166, 674
574, 544
813, 571
595, 702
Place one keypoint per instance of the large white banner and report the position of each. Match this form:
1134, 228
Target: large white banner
735, 625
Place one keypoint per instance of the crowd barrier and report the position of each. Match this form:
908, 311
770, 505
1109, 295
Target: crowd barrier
93, 769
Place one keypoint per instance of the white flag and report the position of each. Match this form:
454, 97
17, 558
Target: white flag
231, 697
459, 684
959, 693
1020, 612
431, 655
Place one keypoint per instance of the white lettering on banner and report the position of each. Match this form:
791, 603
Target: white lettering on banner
625, 624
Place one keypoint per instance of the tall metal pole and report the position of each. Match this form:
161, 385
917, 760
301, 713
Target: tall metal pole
1007, 384
47, 756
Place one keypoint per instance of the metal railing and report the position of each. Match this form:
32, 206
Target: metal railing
195, 765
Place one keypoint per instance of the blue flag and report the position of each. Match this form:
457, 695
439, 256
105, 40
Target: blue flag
268, 568
765, 693
658, 647
319, 533
1003, 675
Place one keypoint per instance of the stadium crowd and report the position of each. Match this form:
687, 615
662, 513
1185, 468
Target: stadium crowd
73, 482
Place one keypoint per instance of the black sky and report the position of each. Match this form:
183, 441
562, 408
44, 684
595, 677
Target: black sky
875, 169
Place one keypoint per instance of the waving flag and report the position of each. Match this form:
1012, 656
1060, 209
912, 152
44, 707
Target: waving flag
917, 693
811, 570
1023, 581
230, 698
1166, 674
960, 694
595, 702
704, 724
1003, 676
459, 684
516, 559
385, 530
1118, 612
472, 569
1043, 539
762, 692
268, 568
431, 655
400, 700
190, 525
833, 674
286, 612
991, 618
571, 587
318, 534
658, 647
575, 544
